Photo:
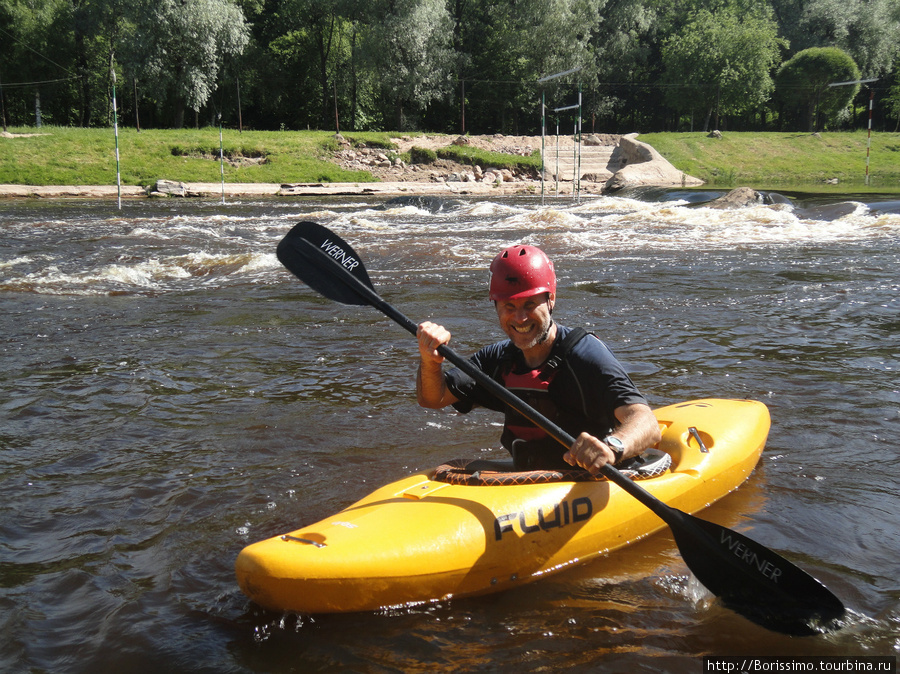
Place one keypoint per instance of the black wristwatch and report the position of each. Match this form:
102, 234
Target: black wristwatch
617, 447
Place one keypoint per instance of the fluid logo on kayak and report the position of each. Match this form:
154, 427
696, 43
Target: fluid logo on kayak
345, 259
545, 519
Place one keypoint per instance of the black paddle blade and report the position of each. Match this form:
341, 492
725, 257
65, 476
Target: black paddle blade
754, 581
300, 251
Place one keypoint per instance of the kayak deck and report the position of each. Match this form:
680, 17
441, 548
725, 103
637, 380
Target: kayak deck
419, 539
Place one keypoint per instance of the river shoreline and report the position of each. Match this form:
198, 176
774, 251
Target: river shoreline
216, 190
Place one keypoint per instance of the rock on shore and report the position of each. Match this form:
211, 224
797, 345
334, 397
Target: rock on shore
645, 166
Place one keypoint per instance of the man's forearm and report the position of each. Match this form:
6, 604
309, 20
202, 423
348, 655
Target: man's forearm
431, 389
638, 429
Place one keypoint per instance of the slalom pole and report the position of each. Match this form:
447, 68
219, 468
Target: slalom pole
547, 78
575, 159
543, 133
869, 142
871, 103
2, 108
116, 127
556, 175
221, 158
240, 116
578, 173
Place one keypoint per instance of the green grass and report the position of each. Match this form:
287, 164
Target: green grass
486, 159
784, 160
74, 156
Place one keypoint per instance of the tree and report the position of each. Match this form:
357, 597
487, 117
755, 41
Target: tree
512, 44
865, 29
432, 64
308, 47
802, 84
178, 46
625, 48
35, 60
722, 59
409, 45
892, 100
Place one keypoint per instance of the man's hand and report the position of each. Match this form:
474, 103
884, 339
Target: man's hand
638, 429
589, 453
431, 336
431, 389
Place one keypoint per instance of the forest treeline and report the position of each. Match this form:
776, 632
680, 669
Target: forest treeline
471, 66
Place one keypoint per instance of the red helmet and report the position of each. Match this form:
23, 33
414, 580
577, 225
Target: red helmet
521, 271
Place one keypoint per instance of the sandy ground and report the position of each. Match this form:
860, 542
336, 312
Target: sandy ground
7, 134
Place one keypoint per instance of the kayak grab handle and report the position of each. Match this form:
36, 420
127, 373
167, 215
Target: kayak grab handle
693, 431
288, 537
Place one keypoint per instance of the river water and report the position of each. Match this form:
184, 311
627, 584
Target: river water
170, 394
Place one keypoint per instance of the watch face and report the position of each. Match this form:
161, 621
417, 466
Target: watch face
617, 447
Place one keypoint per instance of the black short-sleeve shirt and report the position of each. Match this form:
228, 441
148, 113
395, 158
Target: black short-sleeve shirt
590, 385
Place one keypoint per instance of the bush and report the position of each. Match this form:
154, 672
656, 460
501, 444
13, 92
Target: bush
374, 142
421, 155
803, 85
486, 159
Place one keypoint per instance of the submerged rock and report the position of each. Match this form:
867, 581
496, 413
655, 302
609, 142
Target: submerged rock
425, 203
740, 197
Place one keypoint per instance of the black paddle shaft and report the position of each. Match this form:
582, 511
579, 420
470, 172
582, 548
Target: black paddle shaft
335, 257
748, 577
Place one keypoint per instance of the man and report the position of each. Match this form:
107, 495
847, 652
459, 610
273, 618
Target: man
569, 376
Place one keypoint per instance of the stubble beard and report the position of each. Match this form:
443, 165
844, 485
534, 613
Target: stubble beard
538, 339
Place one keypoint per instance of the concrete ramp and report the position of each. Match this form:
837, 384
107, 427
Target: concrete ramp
617, 161
598, 163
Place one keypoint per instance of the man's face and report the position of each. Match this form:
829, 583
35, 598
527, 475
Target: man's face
526, 321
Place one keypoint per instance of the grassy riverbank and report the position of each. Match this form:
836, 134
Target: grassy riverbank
73, 156
784, 160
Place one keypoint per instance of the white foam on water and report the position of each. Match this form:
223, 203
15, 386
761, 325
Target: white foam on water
168, 253
156, 274
486, 209
4, 264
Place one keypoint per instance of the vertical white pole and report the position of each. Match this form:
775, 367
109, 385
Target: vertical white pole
579, 142
221, 158
575, 158
871, 105
240, 116
869, 142
556, 174
2, 107
543, 133
116, 127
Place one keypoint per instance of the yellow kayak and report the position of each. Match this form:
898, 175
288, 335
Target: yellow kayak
453, 532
